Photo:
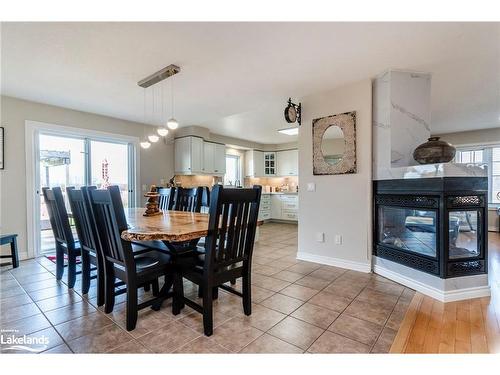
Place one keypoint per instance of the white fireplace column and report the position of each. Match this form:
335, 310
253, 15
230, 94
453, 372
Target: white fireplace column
401, 119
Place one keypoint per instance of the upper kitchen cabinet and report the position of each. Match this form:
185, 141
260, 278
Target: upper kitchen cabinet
270, 164
188, 155
287, 163
254, 163
220, 159
208, 157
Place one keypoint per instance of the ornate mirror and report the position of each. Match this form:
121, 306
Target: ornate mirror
334, 144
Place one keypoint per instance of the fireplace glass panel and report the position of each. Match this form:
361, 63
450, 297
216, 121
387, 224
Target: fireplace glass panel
408, 229
463, 226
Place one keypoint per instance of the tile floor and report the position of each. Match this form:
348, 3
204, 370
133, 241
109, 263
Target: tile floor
298, 307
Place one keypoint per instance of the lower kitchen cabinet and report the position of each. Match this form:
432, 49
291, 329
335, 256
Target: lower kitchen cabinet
285, 207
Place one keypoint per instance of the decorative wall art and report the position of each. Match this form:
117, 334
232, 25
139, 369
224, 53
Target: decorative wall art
334, 144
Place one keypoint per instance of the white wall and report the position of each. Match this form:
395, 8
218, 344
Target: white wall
341, 204
155, 163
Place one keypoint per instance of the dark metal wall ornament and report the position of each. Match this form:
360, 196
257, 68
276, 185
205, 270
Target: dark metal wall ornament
347, 123
293, 112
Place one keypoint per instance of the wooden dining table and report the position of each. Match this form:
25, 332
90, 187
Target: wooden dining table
169, 226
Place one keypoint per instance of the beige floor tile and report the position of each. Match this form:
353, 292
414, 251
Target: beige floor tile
330, 342
270, 344
304, 268
168, 338
260, 294
45, 293
11, 292
316, 315
17, 300
101, 341
265, 270
18, 312
69, 312
44, 284
235, 334
378, 298
202, 345
330, 301
282, 303
58, 301
327, 274
356, 329
60, 349
195, 320
147, 320
369, 312
29, 279
298, 291
269, 283
288, 276
313, 282
82, 326
27, 325
398, 314
263, 318
296, 332
131, 347
384, 342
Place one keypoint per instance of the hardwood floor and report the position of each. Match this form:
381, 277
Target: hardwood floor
471, 326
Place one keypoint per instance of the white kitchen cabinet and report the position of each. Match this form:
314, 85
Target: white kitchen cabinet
269, 163
220, 159
276, 206
188, 155
254, 163
287, 163
265, 207
208, 157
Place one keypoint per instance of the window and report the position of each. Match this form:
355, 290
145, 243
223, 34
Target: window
233, 174
489, 156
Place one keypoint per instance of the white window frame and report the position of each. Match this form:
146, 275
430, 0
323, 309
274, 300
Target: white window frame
238, 167
33, 130
488, 160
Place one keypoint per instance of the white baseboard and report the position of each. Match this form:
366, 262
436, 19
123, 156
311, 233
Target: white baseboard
443, 296
492, 229
336, 262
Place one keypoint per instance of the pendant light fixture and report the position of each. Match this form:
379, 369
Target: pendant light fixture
163, 131
145, 144
172, 122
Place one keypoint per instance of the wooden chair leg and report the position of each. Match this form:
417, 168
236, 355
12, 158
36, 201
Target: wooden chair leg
156, 288
14, 253
178, 299
200, 291
215, 292
131, 306
101, 291
247, 294
109, 295
85, 272
208, 323
59, 262
71, 269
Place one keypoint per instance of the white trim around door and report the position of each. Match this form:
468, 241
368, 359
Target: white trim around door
32, 130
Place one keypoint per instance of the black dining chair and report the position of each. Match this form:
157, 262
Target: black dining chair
188, 199
166, 198
227, 253
64, 240
135, 271
85, 228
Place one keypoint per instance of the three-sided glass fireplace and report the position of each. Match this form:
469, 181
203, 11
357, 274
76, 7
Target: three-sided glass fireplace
436, 225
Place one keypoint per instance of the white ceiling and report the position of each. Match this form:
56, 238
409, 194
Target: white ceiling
236, 77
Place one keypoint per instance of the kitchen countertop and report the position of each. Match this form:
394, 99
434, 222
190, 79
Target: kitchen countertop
282, 193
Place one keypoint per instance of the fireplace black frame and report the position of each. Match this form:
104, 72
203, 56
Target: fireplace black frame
442, 195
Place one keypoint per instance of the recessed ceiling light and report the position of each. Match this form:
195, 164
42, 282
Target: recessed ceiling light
289, 131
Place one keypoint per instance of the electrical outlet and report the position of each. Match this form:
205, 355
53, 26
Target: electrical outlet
338, 239
144, 187
162, 181
320, 237
311, 186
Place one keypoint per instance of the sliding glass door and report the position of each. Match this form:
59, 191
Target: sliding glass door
71, 161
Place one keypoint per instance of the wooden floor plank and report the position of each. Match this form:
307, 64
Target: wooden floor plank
470, 326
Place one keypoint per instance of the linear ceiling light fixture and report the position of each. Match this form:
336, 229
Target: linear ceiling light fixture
149, 81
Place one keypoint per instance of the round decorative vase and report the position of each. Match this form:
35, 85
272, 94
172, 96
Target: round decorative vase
434, 151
